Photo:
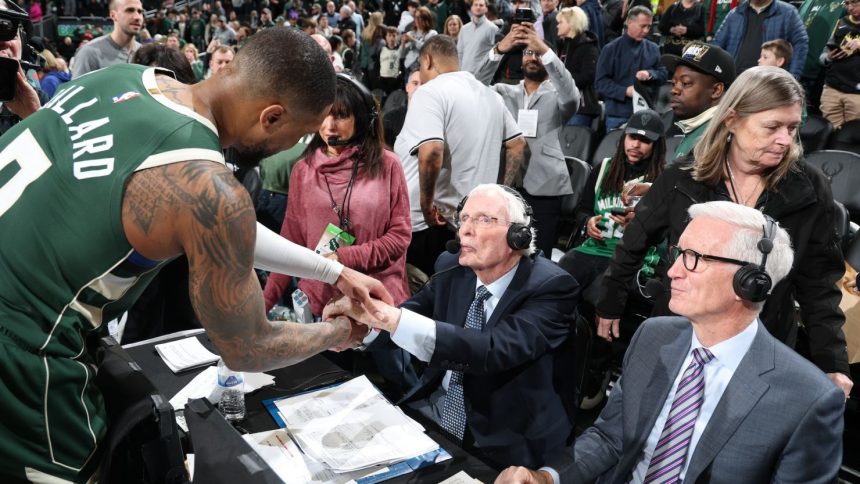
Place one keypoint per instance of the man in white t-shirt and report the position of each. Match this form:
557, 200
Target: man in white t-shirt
451, 142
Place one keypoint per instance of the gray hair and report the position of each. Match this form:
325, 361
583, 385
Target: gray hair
744, 243
515, 206
637, 11
757, 89
346, 9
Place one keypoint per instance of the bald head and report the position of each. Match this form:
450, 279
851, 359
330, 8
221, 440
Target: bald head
322, 42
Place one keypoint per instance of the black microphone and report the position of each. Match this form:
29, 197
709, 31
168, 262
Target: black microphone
453, 246
335, 141
654, 288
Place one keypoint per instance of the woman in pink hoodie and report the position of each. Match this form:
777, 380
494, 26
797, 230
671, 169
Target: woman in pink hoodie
349, 183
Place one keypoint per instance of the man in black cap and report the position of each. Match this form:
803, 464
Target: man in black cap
702, 75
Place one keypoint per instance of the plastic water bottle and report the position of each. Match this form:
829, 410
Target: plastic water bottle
302, 307
232, 386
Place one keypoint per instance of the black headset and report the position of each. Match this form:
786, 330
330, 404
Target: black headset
752, 282
366, 96
519, 235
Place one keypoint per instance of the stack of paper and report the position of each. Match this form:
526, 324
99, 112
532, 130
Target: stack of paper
184, 354
295, 467
352, 426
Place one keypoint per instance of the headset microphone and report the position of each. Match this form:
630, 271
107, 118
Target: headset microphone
654, 288
453, 246
335, 141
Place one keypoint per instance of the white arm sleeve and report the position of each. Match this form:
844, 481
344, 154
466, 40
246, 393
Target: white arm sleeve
277, 254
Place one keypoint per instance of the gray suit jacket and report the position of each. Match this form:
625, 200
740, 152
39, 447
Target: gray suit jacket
556, 101
779, 420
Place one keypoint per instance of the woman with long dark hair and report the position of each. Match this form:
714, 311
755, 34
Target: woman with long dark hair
348, 201
412, 41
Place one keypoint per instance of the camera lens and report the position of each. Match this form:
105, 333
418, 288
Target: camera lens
8, 29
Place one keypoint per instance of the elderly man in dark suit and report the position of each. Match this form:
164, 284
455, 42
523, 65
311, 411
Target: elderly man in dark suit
495, 325
541, 103
712, 397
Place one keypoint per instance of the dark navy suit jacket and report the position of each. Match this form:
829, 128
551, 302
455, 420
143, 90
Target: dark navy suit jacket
518, 371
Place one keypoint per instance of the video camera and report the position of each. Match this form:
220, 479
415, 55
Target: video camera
13, 19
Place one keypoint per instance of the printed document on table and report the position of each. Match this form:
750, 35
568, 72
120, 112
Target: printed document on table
291, 465
294, 467
184, 354
352, 426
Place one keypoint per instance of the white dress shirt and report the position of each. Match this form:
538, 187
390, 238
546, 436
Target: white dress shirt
417, 334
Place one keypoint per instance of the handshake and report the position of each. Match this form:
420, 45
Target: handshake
361, 319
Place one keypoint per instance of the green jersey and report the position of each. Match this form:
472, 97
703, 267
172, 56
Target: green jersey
612, 232
66, 266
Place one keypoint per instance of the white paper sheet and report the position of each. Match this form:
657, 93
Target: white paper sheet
352, 426
294, 467
183, 354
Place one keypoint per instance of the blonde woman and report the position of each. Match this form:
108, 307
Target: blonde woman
453, 25
55, 73
750, 154
578, 49
372, 40
192, 54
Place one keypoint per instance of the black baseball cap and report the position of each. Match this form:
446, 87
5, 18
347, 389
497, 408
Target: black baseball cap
706, 58
645, 123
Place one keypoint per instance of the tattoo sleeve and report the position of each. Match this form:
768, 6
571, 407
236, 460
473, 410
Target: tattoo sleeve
430, 156
516, 155
216, 228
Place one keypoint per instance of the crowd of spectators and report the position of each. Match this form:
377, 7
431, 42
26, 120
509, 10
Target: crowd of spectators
491, 84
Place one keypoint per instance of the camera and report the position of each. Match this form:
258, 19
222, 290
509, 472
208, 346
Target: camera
524, 15
13, 19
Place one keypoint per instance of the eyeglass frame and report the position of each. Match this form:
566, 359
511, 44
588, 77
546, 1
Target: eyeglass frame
675, 252
491, 221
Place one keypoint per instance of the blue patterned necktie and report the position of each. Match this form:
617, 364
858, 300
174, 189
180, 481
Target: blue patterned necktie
454, 410
671, 451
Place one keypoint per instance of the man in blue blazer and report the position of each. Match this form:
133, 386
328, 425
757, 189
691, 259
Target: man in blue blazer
712, 397
503, 354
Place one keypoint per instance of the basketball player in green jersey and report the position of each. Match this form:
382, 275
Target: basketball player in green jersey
119, 173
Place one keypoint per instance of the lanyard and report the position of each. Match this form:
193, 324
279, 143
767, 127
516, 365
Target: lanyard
342, 211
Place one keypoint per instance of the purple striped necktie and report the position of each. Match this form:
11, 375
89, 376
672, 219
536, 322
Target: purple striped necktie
671, 451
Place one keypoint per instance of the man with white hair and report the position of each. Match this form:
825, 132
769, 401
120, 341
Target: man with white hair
494, 326
345, 21
712, 396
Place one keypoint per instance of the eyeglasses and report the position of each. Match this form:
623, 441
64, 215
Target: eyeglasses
691, 258
531, 53
483, 221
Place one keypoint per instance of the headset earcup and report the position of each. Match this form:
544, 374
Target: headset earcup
519, 236
751, 283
